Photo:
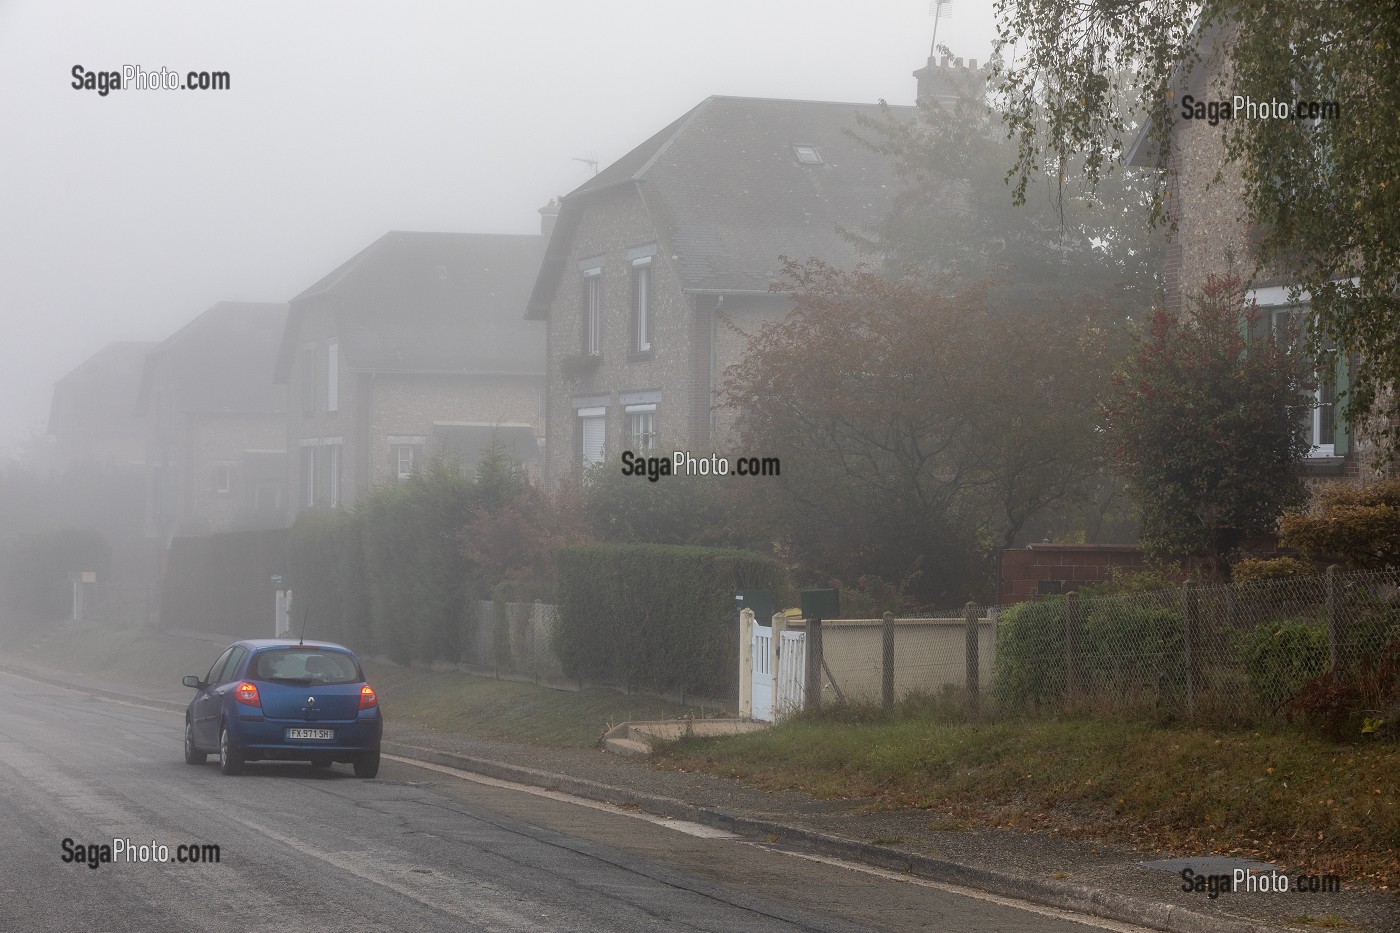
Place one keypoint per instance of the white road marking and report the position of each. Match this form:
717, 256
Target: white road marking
680, 826
1028, 906
706, 832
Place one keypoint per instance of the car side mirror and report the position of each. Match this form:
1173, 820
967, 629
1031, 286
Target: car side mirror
192, 681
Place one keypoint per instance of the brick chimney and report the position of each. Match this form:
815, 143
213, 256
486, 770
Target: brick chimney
548, 215
942, 80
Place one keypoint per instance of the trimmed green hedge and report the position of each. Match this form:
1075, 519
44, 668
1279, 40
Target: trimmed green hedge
1129, 655
392, 576
657, 617
223, 583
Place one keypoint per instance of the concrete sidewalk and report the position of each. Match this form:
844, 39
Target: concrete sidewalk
1105, 880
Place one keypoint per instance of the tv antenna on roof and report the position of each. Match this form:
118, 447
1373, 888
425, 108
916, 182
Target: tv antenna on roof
938, 9
589, 160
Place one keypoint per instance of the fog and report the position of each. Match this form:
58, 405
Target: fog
126, 215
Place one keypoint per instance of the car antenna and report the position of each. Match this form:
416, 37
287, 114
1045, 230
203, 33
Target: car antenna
304, 616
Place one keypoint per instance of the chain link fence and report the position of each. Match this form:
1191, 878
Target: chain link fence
1237, 653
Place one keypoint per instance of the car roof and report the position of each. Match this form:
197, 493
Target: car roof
260, 643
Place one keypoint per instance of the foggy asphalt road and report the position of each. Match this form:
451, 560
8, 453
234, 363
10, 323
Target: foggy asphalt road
413, 850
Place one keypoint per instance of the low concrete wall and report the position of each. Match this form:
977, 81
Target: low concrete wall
929, 655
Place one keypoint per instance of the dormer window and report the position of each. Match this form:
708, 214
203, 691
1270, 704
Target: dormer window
807, 155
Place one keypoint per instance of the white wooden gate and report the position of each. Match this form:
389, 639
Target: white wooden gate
792, 673
762, 673
776, 693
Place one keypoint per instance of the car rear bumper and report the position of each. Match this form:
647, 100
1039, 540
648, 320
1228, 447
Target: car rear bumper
268, 737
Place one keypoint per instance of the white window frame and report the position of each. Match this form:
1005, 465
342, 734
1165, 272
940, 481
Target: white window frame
593, 311
308, 380
1273, 302
641, 415
333, 473
641, 303
414, 452
587, 416
333, 376
308, 476
223, 478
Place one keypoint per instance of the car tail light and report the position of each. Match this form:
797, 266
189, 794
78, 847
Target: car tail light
248, 694
367, 698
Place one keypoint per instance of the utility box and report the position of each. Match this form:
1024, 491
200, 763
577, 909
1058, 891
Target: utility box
760, 601
821, 604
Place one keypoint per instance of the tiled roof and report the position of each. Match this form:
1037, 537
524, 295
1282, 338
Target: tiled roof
222, 360
101, 392
729, 196
431, 302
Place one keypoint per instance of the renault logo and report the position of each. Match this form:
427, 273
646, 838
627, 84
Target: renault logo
310, 701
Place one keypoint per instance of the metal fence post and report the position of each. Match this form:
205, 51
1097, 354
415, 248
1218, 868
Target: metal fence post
972, 653
887, 665
812, 698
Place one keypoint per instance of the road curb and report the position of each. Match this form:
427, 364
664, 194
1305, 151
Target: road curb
1063, 895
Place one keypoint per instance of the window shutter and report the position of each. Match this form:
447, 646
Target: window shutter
1340, 421
593, 438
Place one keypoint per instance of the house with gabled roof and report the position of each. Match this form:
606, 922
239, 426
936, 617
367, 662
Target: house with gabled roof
412, 350
216, 425
93, 416
1212, 237
662, 263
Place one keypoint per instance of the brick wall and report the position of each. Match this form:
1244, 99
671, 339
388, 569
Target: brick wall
409, 404
610, 224
1044, 569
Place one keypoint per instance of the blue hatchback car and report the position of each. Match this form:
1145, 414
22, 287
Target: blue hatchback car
286, 700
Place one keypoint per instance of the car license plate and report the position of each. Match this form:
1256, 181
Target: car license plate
310, 733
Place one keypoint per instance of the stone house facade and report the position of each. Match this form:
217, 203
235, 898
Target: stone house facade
663, 262
93, 416
1212, 237
411, 351
216, 425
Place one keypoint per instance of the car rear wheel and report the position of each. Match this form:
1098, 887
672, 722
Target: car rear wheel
367, 764
193, 756
230, 757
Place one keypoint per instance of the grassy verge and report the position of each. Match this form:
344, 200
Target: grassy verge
498, 709
1310, 805
137, 656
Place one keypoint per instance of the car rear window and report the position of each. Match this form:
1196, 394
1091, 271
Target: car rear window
305, 666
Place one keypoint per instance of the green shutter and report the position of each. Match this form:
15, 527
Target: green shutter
1341, 426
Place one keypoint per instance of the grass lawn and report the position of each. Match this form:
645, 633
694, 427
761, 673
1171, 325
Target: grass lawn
500, 709
1308, 804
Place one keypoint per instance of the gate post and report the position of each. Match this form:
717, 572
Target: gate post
775, 657
971, 656
812, 692
746, 664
